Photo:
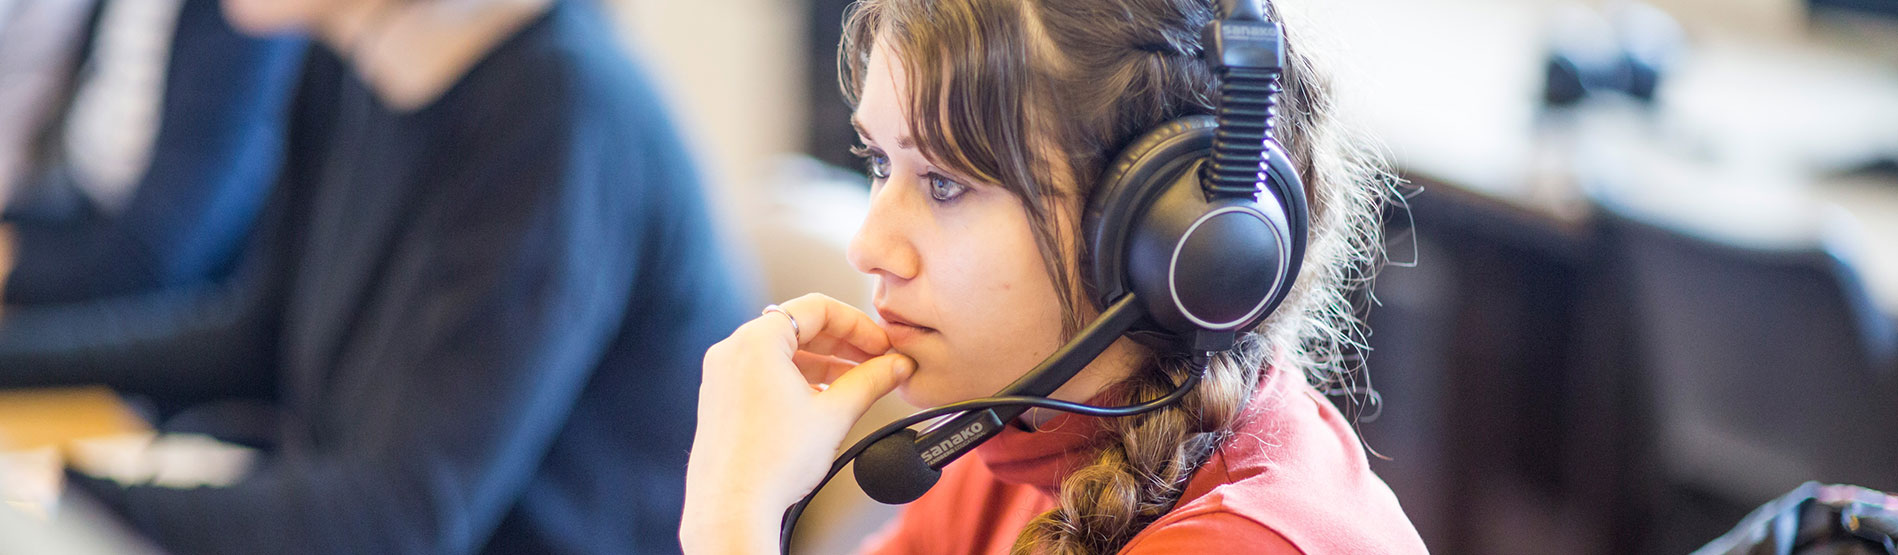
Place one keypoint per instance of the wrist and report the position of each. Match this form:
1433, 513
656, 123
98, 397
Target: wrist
730, 528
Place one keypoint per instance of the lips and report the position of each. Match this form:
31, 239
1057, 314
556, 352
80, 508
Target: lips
899, 328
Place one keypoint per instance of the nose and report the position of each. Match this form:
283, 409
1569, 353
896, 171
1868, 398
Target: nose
883, 246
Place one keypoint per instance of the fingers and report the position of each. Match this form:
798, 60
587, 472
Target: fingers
824, 326
828, 326
827, 341
832, 346
854, 390
820, 369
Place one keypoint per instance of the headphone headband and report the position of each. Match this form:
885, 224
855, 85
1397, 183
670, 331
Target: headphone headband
1247, 53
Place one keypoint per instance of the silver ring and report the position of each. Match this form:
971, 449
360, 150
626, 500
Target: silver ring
770, 308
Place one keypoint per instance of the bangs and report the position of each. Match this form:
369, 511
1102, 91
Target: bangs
971, 85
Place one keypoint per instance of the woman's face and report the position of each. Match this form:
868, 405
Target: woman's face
960, 282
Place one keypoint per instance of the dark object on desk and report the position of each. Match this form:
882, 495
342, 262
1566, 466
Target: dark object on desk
1763, 368
1628, 54
1816, 520
1885, 167
1875, 8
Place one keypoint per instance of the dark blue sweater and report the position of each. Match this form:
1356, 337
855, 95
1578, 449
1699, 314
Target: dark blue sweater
482, 320
218, 149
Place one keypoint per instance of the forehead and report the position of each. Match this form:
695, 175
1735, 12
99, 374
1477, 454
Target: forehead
882, 104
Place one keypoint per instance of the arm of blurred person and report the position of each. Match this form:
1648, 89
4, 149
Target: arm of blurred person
192, 344
214, 160
491, 323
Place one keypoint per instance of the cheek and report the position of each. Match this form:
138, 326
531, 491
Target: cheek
997, 276
999, 313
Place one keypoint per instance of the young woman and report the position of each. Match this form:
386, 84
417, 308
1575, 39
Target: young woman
985, 124
476, 305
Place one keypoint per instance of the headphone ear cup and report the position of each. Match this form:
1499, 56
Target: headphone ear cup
1282, 182
1132, 182
1197, 263
1207, 265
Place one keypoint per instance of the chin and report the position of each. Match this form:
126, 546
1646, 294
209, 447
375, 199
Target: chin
918, 393
934, 386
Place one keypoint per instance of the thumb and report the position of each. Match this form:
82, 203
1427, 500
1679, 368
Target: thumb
854, 391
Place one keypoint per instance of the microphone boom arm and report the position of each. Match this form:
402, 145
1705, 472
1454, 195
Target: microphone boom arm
945, 442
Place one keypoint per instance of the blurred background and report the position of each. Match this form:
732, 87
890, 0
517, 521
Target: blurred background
1645, 278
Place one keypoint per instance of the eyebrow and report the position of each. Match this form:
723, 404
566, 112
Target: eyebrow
903, 141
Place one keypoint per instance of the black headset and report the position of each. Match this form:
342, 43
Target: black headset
1179, 221
1186, 250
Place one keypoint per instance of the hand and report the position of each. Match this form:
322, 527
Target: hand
773, 407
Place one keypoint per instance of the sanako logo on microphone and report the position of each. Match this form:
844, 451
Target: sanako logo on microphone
947, 446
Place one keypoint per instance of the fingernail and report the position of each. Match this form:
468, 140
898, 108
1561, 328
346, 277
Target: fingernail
904, 365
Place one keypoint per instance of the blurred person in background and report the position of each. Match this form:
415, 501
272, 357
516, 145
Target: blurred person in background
473, 310
141, 138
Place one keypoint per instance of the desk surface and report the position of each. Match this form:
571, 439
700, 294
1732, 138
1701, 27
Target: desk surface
35, 418
36, 427
80, 528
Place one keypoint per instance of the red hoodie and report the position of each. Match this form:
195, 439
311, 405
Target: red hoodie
1293, 479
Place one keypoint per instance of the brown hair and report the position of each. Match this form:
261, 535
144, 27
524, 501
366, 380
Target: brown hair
1035, 94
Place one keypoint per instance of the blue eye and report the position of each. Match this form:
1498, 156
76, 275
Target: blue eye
944, 189
875, 162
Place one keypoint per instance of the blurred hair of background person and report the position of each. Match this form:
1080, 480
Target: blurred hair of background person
140, 140
474, 304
